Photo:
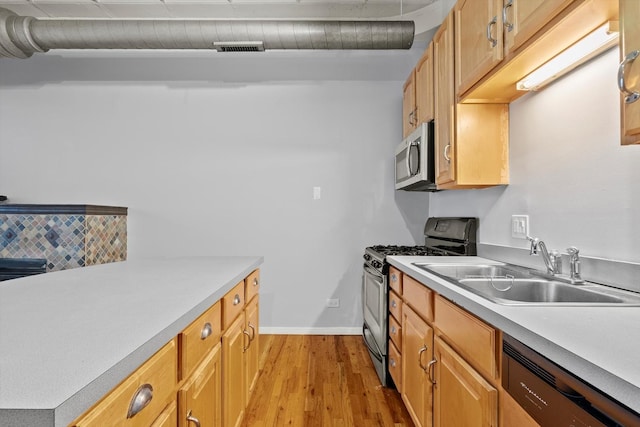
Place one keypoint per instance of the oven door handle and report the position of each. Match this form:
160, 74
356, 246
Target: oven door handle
373, 273
375, 352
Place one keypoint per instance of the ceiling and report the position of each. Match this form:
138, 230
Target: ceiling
426, 14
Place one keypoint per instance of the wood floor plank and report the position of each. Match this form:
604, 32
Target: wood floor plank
321, 381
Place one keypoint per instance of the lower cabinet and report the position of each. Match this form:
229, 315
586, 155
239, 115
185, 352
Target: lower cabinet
233, 378
252, 352
203, 377
462, 397
199, 397
417, 353
449, 362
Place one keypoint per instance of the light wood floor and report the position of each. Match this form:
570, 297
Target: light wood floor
326, 381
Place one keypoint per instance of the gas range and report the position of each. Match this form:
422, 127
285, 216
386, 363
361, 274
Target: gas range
443, 236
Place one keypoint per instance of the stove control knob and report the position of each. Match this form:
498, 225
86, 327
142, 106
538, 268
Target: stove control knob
377, 264
367, 257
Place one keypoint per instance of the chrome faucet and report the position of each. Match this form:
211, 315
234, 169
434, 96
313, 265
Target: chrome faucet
553, 261
574, 264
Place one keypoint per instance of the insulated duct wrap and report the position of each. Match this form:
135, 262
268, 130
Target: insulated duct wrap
22, 36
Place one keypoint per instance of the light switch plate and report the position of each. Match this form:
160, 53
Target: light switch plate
519, 226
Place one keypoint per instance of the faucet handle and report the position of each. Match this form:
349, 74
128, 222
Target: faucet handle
534, 245
573, 251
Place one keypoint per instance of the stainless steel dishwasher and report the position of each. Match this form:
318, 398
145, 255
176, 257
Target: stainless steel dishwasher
554, 397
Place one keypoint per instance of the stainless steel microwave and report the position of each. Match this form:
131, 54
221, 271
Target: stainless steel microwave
415, 165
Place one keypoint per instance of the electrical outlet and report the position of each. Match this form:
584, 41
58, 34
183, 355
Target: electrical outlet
333, 302
519, 226
317, 193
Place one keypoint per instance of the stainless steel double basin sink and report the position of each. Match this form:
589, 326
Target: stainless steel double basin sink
514, 285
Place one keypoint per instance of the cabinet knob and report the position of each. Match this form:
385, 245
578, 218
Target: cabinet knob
236, 299
392, 363
393, 330
140, 400
630, 96
255, 281
394, 277
393, 303
206, 331
192, 419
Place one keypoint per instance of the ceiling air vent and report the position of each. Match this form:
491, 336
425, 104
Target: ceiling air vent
239, 46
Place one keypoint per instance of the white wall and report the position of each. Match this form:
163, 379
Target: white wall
568, 171
215, 158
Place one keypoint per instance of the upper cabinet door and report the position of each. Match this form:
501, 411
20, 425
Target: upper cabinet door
630, 69
409, 105
444, 102
424, 86
478, 40
524, 18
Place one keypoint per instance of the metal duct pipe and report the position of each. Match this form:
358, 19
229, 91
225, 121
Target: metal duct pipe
22, 36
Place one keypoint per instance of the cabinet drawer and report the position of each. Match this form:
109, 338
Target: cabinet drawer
395, 305
157, 377
395, 280
474, 339
395, 365
252, 285
199, 338
419, 297
232, 304
395, 332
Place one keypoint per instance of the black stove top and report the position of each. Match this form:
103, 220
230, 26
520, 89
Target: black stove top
390, 250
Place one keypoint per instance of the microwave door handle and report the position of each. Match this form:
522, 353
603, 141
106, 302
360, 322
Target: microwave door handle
412, 144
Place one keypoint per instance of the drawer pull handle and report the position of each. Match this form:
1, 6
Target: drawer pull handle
244, 349
447, 148
192, 419
422, 350
430, 371
253, 332
206, 331
140, 400
255, 281
236, 300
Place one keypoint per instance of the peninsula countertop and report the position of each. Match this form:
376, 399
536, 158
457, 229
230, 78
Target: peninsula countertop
597, 344
68, 337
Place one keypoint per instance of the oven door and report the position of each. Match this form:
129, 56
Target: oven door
374, 303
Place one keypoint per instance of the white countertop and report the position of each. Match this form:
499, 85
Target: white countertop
68, 337
598, 344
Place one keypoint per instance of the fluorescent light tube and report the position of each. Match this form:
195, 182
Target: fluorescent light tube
588, 47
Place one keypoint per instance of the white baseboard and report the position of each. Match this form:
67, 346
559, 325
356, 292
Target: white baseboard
310, 331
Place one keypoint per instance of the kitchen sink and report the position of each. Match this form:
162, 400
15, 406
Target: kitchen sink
514, 285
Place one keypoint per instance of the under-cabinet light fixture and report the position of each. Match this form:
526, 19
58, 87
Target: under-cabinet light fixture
580, 52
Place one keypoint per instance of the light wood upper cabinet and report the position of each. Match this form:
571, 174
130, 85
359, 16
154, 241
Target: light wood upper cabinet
478, 40
417, 95
200, 397
409, 105
444, 102
462, 398
417, 352
471, 140
424, 87
531, 31
630, 42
